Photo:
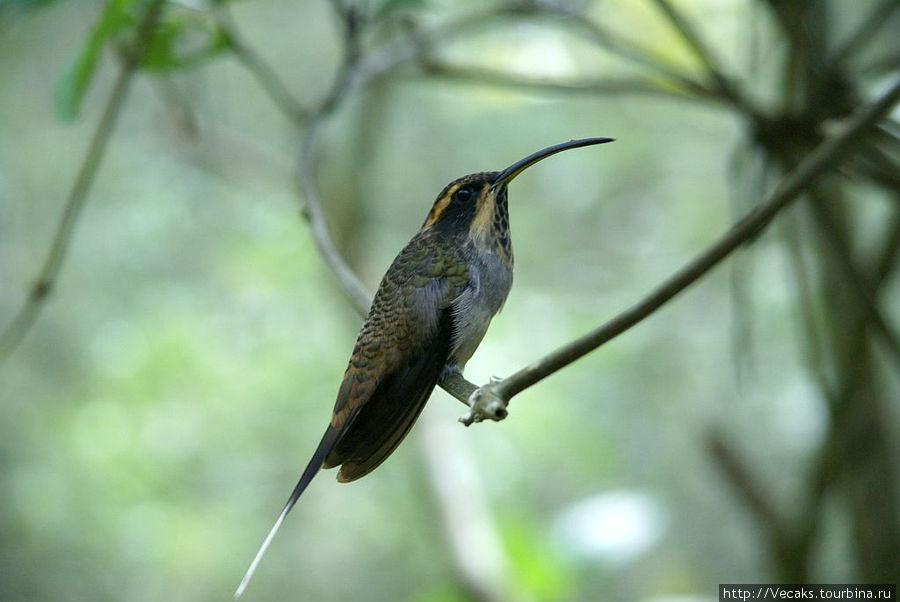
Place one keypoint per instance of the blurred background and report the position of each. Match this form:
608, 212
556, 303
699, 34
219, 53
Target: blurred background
176, 364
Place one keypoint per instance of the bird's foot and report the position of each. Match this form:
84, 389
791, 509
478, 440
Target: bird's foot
487, 403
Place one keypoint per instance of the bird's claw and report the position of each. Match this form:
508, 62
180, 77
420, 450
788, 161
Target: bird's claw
486, 403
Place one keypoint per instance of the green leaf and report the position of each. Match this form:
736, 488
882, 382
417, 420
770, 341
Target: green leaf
184, 40
72, 86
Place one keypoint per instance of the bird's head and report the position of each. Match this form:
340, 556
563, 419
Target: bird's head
475, 205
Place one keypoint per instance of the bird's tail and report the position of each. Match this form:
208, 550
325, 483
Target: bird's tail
325, 446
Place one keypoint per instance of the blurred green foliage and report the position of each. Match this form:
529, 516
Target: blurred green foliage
158, 413
114, 19
184, 38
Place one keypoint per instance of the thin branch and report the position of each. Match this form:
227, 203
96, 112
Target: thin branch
366, 69
349, 282
891, 128
416, 47
15, 332
350, 72
840, 250
814, 344
363, 71
883, 65
263, 73
693, 39
312, 210
744, 480
873, 163
811, 345
888, 257
626, 49
611, 86
357, 70
351, 20
424, 43
789, 544
488, 399
879, 16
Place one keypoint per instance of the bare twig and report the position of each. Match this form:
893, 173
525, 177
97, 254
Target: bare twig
790, 545
883, 65
879, 16
259, 68
349, 282
351, 20
306, 169
488, 399
750, 485
812, 347
888, 256
417, 46
46, 279
351, 71
357, 70
609, 86
839, 248
690, 35
375, 64
876, 165
624, 48
425, 42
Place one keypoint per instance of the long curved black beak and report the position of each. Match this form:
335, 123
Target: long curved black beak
519, 166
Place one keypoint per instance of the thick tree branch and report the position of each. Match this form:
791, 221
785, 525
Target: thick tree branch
46, 279
490, 401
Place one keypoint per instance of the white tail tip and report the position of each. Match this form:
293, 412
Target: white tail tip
262, 550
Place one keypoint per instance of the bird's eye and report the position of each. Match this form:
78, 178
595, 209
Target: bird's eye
463, 194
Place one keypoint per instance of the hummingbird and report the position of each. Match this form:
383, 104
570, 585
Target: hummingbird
429, 314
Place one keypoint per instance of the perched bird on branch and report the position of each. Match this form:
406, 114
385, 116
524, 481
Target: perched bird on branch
430, 312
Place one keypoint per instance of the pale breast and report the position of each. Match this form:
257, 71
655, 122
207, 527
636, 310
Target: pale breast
490, 280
